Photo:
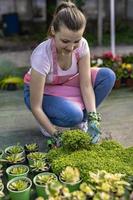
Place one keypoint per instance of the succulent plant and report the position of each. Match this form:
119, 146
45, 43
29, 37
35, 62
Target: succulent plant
14, 158
15, 149
36, 156
39, 165
18, 185
1, 171
18, 170
1, 189
70, 175
31, 147
43, 179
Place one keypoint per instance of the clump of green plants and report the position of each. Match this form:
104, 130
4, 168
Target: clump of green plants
109, 156
11, 83
74, 140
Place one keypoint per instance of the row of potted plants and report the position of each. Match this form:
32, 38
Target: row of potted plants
121, 65
69, 186
77, 161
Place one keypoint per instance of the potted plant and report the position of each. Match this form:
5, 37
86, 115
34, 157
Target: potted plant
17, 170
1, 190
1, 153
33, 147
1, 171
41, 180
39, 166
11, 83
36, 156
13, 159
15, 149
70, 177
19, 188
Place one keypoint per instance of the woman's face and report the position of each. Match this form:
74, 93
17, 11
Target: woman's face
67, 40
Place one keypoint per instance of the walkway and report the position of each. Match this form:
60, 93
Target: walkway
18, 125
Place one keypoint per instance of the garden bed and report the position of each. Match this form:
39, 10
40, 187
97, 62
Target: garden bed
77, 152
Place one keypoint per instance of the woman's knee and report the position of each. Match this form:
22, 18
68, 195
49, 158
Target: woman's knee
108, 74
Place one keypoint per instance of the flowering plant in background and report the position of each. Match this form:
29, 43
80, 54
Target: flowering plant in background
127, 69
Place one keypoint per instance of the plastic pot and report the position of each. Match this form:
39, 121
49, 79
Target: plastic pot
11, 176
71, 186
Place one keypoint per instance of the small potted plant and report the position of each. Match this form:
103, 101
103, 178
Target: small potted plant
13, 159
1, 153
70, 177
11, 83
36, 156
17, 170
41, 180
1, 190
1, 171
39, 166
19, 188
33, 147
15, 149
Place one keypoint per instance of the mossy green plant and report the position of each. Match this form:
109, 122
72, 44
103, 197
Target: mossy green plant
109, 155
74, 140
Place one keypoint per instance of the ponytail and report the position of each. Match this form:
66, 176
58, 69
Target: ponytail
69, 15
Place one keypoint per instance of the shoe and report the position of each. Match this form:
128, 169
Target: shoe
83, 126
44, 132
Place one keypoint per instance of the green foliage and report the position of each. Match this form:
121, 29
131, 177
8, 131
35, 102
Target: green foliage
17, 81
1, 189
74, 140
111, 145
109, 155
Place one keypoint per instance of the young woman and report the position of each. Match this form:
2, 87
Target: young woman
61, 88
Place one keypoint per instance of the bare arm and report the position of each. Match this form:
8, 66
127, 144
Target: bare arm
85, 83
36, 96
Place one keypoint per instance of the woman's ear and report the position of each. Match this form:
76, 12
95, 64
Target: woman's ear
52, 31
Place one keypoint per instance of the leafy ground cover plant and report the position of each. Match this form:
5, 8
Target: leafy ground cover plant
75, 139
109, 155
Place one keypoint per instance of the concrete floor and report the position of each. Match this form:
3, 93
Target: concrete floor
18, 125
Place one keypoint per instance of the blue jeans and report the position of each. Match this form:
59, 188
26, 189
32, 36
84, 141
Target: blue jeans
65, 113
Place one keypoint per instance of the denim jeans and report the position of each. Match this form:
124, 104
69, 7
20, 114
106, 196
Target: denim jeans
65, 113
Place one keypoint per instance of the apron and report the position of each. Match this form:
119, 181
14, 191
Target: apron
66, 86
